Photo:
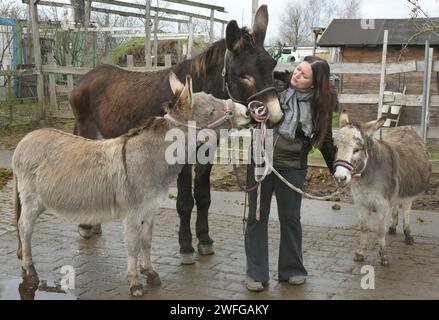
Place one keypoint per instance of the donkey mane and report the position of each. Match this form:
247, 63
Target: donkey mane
214, 55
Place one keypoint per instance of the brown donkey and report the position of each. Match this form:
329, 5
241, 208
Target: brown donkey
109, 101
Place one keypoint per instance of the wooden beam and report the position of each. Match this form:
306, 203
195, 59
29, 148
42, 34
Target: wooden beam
37, 56
368, 68
135, 15
156, 9
198, 4
405, 100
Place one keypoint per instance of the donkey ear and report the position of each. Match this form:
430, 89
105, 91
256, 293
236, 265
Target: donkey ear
260, 24
233, 36
176, 85
184, 103
372, 126
343, 119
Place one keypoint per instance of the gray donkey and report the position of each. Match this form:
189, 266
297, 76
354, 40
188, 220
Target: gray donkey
93, 181
384, 175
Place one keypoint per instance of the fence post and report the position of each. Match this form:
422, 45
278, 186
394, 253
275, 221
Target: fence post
191, 39
156, 39
11, 117
428, 64
148, 34
130, 61
168, 60
53, 103
69, 76
212, 21
383, 74
37, 56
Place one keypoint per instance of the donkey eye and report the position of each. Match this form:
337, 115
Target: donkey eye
356, 150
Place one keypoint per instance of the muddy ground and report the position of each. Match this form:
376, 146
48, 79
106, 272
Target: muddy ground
318, 182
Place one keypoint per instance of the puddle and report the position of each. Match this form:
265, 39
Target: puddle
18, 289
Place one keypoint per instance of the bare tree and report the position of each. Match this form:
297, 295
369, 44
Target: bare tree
422, 19
12, 9
301, 16
349, 9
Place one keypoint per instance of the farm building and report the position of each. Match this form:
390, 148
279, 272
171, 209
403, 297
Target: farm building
360, 43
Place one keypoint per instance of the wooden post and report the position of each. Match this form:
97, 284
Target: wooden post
426, 90
8, 68
168, 60
383, 74
37, 56
86, 57
69, 76
53, 103
156, 39
148, 33
212, 17
191, 39
130, 61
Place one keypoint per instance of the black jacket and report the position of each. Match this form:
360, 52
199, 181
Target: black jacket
289, 155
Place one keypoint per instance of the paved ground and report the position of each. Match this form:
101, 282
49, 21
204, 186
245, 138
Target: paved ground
329, 237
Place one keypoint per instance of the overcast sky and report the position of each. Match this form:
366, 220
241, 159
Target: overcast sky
241, 10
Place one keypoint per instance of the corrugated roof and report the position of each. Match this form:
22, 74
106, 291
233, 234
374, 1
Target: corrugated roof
363, 32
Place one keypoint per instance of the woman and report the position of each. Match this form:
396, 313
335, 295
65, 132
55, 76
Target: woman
308, 103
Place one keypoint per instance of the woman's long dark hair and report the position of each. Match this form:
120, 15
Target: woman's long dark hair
324, 101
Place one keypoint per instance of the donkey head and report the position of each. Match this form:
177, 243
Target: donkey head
249, 67
206, 110
351, 143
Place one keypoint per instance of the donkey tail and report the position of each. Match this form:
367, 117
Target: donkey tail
17, 212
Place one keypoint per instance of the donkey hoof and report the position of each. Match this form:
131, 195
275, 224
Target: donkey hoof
358, 257
19, 253
85, 231
205, 249
96, 229
136, 290
392, 230
153, 279
409, 240
187, 258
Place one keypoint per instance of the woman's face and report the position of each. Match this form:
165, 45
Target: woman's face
302, 76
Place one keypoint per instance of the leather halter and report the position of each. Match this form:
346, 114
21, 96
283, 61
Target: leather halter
353, 170
213, 123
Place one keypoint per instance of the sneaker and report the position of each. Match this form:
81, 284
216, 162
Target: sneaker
253, 285
297, 280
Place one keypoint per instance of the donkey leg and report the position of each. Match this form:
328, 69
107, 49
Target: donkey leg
152, 277
392, 228
30, 212
132, 234
202, 198
364, 230
406, 207
381, 232
185, 204
87, 129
